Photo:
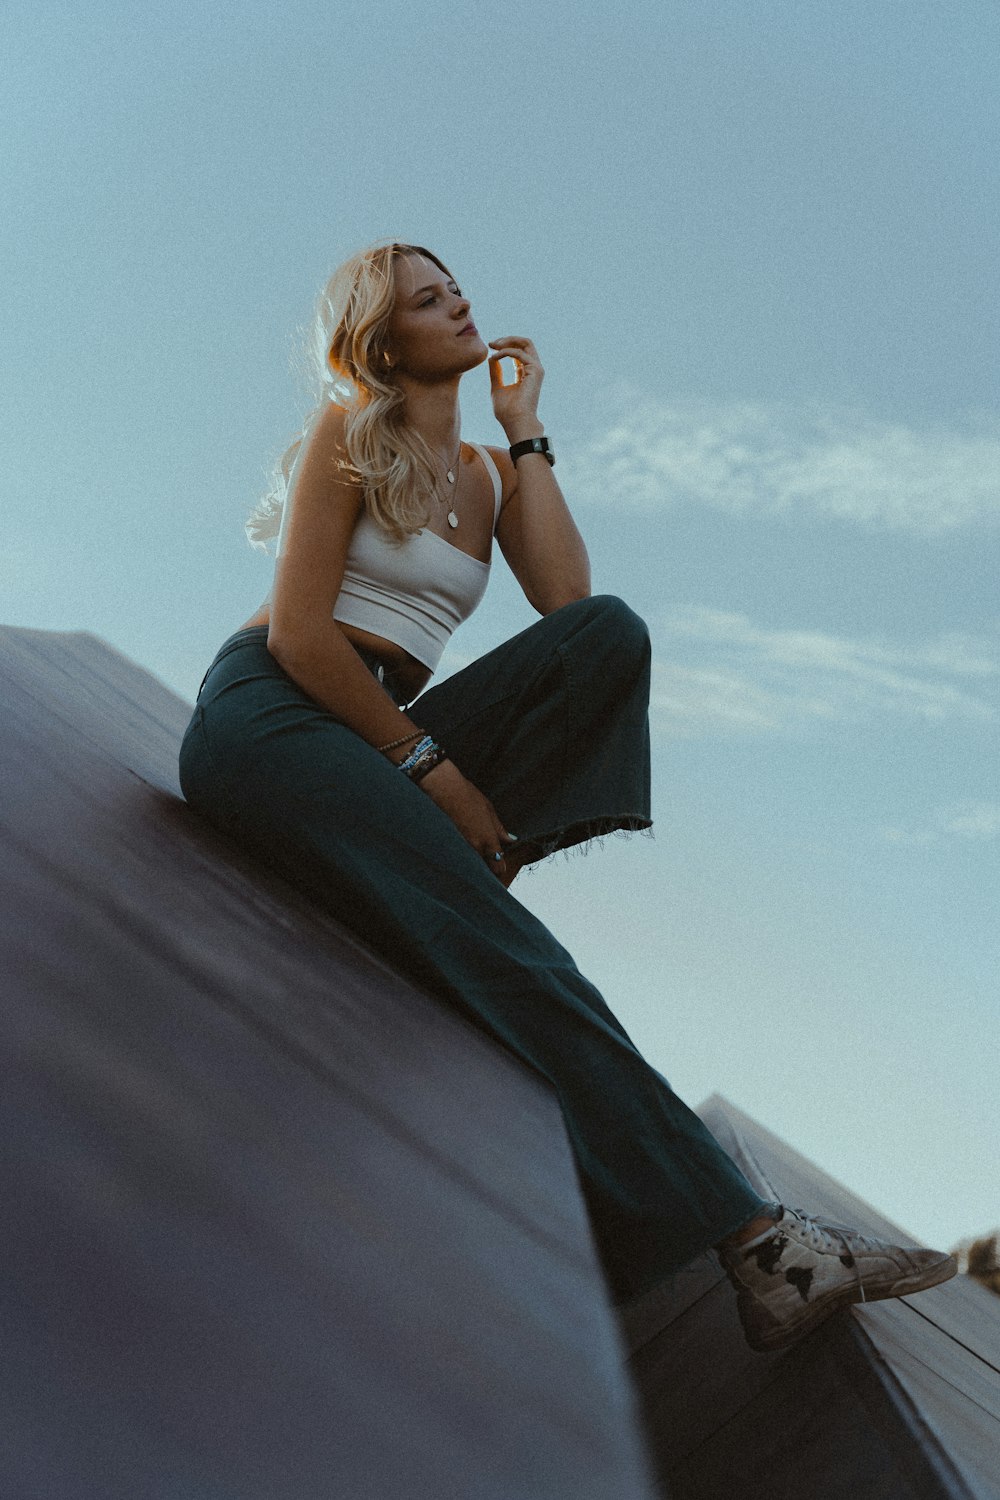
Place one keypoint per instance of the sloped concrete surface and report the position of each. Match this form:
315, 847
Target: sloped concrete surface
277, 1225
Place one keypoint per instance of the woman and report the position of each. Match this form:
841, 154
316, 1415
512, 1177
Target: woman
407, 813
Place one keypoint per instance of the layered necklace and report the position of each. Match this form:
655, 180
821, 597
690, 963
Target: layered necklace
451, 475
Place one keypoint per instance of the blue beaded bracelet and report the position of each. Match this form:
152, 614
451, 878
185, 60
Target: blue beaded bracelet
417, 754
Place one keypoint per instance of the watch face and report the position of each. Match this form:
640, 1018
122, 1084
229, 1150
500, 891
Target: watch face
533, 445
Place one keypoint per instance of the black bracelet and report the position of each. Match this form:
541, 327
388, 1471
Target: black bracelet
427, 763
532, 445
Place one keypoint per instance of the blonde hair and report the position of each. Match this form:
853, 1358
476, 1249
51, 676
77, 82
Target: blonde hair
393, 464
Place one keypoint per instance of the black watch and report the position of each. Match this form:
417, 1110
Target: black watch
533, 445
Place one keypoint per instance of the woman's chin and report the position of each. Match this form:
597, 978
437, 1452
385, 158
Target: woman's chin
453, 363
478, 353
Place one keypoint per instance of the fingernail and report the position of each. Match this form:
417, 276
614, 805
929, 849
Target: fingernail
511, 838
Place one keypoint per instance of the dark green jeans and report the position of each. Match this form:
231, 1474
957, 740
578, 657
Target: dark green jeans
552, 727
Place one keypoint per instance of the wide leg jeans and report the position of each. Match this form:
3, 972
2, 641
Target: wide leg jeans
552, 727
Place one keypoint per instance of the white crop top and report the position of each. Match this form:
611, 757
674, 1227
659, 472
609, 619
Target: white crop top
414, 592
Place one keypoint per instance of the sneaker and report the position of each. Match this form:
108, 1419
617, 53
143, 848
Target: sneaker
792, 1276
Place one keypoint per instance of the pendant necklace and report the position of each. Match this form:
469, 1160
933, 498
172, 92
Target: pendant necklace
450, 476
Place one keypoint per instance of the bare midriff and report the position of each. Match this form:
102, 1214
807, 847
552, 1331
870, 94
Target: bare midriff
410, 676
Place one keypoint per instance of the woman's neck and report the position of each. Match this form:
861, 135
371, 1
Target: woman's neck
433, 411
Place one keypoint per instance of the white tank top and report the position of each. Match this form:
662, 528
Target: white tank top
414, 592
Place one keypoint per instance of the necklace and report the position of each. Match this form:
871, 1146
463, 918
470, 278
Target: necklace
450, 476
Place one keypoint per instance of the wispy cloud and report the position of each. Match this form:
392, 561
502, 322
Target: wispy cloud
779, 460
721, 672
976, 822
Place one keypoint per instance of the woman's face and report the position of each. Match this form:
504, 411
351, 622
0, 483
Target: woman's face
431, 334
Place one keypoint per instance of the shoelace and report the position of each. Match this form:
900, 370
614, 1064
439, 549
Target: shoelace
829, 1238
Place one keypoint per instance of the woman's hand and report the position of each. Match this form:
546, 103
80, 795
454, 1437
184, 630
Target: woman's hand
515, 406
473, 815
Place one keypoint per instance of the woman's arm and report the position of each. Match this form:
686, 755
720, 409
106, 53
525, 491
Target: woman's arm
303, 636
536, 533
309, 645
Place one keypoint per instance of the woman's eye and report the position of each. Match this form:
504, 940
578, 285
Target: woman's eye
455, 290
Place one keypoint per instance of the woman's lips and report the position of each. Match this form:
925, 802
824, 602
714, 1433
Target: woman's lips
469, 328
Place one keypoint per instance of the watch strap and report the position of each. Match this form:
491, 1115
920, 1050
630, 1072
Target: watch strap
532, 445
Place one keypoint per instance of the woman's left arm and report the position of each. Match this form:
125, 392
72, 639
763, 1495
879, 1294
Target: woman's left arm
536, 533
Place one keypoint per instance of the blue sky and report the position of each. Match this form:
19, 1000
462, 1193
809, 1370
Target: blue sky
756, 247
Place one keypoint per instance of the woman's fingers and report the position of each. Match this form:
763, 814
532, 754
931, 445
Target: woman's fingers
505, 862
497, 381
494, 846
496, 851
517, 398
522, 369
494, 858
472, 813
521, 351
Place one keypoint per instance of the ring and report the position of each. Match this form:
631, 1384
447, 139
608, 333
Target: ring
498, 856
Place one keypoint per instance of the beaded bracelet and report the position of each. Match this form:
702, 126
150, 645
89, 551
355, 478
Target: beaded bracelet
403, 740
416, 754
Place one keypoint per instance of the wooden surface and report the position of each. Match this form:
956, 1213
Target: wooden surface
277, 1226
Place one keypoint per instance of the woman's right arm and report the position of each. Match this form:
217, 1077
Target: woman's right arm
309, 645
303, 636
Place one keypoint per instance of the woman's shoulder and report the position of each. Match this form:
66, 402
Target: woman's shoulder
330, 418
505, 468
322, 471
324, 438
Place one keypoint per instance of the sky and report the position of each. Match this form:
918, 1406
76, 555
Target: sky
756, 247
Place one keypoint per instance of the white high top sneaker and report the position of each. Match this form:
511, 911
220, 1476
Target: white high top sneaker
801, 1270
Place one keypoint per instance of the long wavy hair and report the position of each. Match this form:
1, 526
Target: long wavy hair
348, 363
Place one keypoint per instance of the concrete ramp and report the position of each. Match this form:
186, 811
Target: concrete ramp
277, 1225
